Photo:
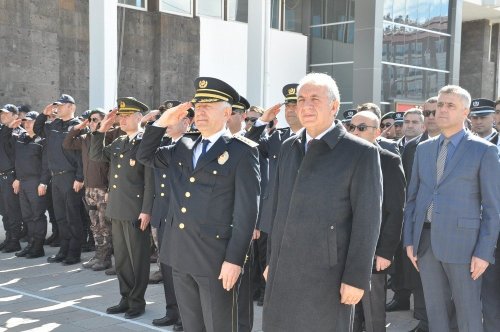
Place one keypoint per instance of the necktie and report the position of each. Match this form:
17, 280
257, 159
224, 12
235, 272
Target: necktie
308, 145
441, 161
204, 145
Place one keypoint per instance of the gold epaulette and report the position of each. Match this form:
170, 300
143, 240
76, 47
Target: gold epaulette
246, 140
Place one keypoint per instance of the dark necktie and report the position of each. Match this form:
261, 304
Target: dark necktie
440, 163
308, 145
204, 145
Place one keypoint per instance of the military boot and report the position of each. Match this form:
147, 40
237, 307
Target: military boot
12, 245
37, 249
26, 249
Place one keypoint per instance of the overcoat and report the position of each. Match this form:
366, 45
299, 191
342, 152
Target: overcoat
325, 230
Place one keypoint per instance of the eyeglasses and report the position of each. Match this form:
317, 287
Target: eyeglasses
96, 120
428, 113
252, 120
361, 127
385, 125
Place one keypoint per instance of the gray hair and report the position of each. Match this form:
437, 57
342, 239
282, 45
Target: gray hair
459, 91
322, 80
416, 111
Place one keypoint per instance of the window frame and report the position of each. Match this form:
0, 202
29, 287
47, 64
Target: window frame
143, 9
223, 16
191, 15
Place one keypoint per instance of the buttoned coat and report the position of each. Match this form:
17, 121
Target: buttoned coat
213, 206
326, 225
465, 219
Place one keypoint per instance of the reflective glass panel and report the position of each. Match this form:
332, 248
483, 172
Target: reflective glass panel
177, 6
275, 14
135, 3
211, 8
237, 10
293, 15
332, 43
342, 74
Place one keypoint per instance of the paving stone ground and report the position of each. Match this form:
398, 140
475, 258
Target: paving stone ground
38, 296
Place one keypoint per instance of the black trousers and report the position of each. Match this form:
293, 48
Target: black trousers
131, 250
371, 309
9, 207
33, 209
166, 271
204, 305
67, 207
245, 292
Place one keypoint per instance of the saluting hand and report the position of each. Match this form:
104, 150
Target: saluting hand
229, 274
173, 115
49, 109
14, 124
16, 185
108, 121
81, 125
271, 113
145, 218
350, 295
150, 116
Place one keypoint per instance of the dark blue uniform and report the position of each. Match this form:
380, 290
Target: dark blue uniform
65, 167
31, 171
9, 202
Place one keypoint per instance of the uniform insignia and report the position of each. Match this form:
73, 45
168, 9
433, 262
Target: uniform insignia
38, 139
132, 162
203, 84
291, 91
169, 105
246, 141
122, 104
223, 158
475, 103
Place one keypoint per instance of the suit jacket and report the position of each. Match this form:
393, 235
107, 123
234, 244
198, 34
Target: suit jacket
394, 187
131, 185
466, 219
213, 207
327, 210
388, 144
409, 154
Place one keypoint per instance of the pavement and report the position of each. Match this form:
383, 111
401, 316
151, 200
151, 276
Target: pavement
38, 296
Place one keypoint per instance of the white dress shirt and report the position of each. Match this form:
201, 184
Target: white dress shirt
199, 147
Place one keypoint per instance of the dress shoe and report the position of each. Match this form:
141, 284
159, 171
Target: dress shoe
120, 308
169, 319
12, 246
90, 263
56, 258
155, 277
418, 329
178, 326
133, 313
396, 305
3, 244
71, 260
102, 265
110, 272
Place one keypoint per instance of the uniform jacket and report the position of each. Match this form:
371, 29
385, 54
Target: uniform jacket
394, 188
466, 219
131, 184
58, 158
162, 191
213, 207
95, 173
388, 144
7, 150
31, 158
325, 229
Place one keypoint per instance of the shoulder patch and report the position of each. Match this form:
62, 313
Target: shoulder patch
246, 141
192, 132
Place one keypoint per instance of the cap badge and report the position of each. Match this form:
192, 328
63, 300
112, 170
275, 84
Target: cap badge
223, 158
169, 105
122, 104
203, 84
132, 162
351, 113
291, 91
475, 103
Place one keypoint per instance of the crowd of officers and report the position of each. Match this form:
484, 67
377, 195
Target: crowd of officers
111, 185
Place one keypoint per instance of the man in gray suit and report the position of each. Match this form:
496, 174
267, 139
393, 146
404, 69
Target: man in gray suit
451, 218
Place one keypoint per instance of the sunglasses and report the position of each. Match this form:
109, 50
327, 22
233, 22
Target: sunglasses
428, 113
96, 120
361, 127
385, 125
252, 120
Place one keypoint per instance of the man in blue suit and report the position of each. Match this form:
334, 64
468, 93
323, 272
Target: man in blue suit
452, 220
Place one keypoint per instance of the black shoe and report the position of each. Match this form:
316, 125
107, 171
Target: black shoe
51, 238
102, 265
396, 305
418, 329
71, 260
12, 246
25, 251
110, 272
36, 250
155, 278
120, 308
178, 326
134, 313
56, 258
170, 318
3, 244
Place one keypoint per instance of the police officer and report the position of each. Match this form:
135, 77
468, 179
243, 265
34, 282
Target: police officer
67, 177
9, 201
32, 178
482, 118
130, 201
347, 118
214, 183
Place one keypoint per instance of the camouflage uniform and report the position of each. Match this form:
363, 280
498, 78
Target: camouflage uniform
100, 225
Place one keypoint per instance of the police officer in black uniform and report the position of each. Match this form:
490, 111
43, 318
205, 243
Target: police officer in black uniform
33, 176
9, 201
67, 177
214, 183
130, 202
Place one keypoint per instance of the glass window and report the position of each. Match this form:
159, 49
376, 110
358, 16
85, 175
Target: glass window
426, 14
237, 10
342, 74
275, 14
388, 16
293, 15
133, 3
331, 11
399, 11
332, 43
183, 7
212, 8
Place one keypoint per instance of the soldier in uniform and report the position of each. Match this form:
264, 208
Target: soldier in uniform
67, 177
130, 201
9, 201
214, 183
398, 125
347, 118
96, 180
387, 126
32, 178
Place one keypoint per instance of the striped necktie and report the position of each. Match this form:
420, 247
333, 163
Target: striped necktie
441, 161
